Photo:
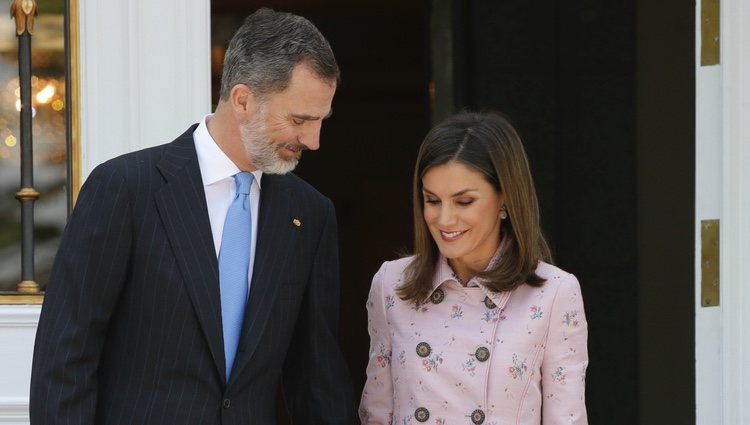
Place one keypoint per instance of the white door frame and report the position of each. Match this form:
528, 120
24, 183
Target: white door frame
735, 246
723, 192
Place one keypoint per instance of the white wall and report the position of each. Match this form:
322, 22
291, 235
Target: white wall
145, 77
17, 329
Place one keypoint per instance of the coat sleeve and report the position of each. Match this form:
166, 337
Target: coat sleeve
376, 405
566, 358
86, 280
319, 390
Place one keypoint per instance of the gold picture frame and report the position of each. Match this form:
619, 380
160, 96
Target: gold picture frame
73, 126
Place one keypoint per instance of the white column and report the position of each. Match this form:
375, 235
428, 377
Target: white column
145, 73
735, 247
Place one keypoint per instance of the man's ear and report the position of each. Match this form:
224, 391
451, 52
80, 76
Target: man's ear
244, 102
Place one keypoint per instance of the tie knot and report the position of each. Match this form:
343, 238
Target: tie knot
243, 181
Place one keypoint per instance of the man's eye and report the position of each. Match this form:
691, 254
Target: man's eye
298, 121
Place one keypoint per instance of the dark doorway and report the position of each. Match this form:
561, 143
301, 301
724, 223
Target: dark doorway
368, 146
603, 96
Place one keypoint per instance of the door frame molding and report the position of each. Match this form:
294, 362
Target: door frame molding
723, 192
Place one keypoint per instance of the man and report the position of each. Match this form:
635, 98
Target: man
143, 320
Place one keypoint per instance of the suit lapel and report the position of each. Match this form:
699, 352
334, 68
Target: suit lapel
182, 207
275, 231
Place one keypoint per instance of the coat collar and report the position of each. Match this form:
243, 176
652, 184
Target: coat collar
444, 273
181, 204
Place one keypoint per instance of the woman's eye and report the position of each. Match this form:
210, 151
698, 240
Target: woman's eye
431, 201
465, 202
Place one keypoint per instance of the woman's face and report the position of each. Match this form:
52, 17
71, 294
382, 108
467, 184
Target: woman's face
462, 210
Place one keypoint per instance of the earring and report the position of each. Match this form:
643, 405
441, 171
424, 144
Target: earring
504, 212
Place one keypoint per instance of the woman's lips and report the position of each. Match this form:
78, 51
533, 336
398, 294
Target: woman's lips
451, 236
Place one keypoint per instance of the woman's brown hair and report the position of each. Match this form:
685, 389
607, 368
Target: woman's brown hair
488, 143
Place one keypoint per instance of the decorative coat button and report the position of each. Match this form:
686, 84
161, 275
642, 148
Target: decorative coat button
438, 296
227, 403
482, 354
422, 414
477, 417
423, 349
489, 303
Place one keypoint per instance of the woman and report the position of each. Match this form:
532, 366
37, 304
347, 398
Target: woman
477, 326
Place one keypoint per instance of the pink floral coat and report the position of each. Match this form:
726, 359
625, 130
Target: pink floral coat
472, 356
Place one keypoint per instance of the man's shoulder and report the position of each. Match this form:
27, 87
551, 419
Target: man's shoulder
181, 147
297, 184
139, 155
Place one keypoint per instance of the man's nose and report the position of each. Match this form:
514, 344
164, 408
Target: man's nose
310, 136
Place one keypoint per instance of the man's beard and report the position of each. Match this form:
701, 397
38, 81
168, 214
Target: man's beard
262, 151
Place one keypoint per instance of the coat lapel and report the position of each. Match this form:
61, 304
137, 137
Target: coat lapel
275, 231
182, 207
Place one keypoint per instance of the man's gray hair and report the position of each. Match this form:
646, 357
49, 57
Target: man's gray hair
265, 49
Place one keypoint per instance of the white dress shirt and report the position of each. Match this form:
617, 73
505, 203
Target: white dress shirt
218, 171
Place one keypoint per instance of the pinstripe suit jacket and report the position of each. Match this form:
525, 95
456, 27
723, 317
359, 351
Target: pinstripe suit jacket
130, 330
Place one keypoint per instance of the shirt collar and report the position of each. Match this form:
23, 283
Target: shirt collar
444, 272
214, 164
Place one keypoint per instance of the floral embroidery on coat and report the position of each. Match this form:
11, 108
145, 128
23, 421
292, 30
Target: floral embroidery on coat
570, 318
384, 358
389, 302
406, 420
470, 365
536, 312
432, 362
518, 369
559, 376
457, 311
402, 358
494, 315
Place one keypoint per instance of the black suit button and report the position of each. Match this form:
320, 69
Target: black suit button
477, 417
482, 354
227, 403
438, 296
422, 414
423, 349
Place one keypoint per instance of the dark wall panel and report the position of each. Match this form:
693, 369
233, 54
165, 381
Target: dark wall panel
666, 211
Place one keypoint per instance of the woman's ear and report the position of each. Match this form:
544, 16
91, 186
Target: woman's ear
502, 207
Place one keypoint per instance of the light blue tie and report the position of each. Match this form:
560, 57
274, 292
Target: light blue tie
234, 260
